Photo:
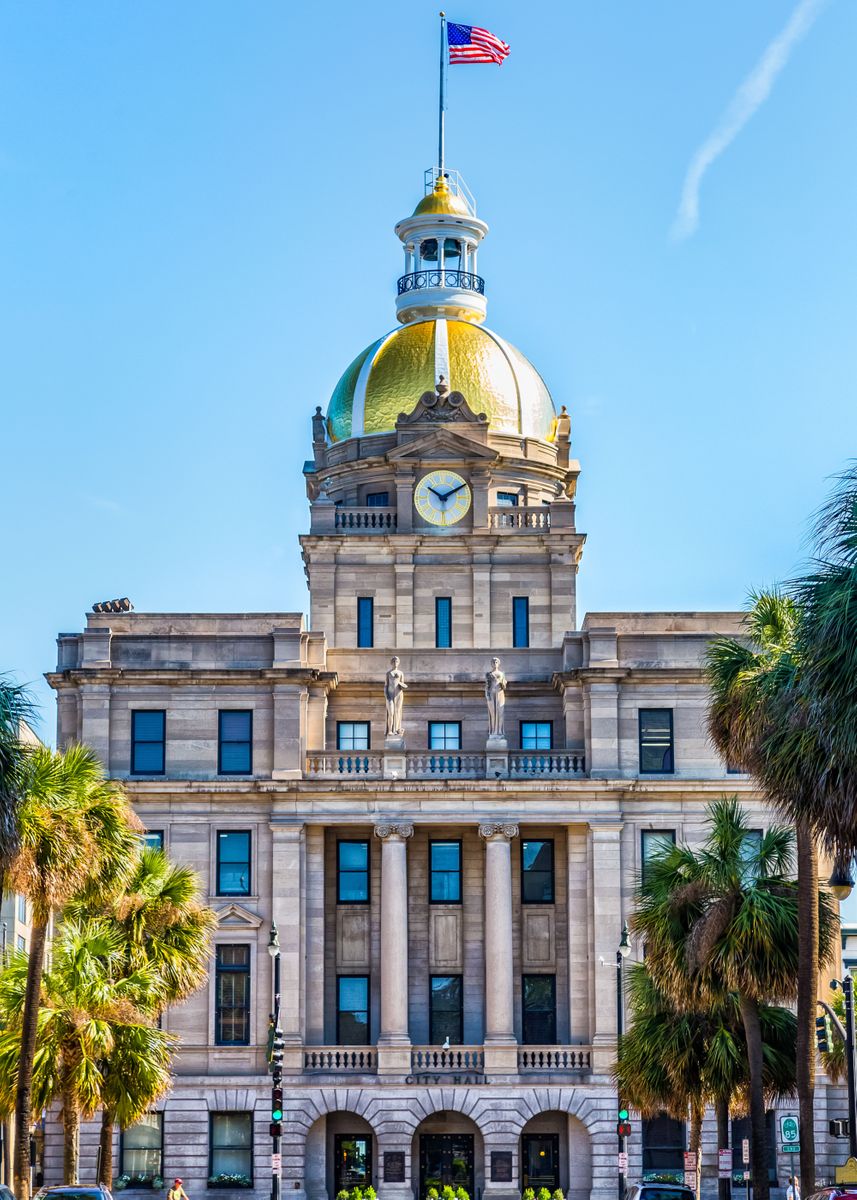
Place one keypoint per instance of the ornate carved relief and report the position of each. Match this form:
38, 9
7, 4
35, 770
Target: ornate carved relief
394, 831
492, 831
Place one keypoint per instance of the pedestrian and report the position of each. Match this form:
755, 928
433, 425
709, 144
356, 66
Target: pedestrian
792, 1191
177, 1192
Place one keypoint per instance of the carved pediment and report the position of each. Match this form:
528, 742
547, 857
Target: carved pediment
237, 917
441, 407
442, 443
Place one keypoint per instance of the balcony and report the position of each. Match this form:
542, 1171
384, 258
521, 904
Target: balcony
366, 520
338, 1060
423, 280
464, 1064
526, 517
457, 1060
434, 764
550, 1060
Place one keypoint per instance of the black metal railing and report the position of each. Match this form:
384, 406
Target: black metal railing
418, 280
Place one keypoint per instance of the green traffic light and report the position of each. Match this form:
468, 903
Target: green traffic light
623, 1114
277, 1114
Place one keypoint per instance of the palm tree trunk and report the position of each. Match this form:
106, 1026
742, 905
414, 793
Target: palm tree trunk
71, 1140
105, 1175
695, 1143
29, 1031
758, 1132
807, 994
721, 1111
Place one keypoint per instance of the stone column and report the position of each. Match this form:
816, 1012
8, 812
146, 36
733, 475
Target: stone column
394, 1043
290, 720
288, 879
605, 890
501, 1054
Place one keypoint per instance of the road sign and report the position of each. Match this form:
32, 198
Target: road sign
745, 1151
789, 1129
746, 1176
689, 1160
623, 1160
276, 1163
724, 1164
793, 1149
690, 1179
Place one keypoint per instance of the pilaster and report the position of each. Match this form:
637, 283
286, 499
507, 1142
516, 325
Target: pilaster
394, 1043
501, 1048
404, 571
290, 723
95, 721
288, 876
605, 891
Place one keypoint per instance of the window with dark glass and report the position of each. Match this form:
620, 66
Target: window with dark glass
352, 1010
537, 886
230, 1142
663, 1148
153, 839
750, 847
233, 862
445, 872
232, 996
377, 499
141, 1150
445, 1009
352, 872
353, 1158
538, 1003
536, 735
365, 621
443, 622
540, 1166
234, 743
656, 741
520, 621
444, 735
652, 842
147, 742
507, 499
352, 735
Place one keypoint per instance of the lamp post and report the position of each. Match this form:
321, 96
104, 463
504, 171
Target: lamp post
622, 953
847, 985
276, 1072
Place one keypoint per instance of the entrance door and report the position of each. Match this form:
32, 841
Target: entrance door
353, 1160
540, 1165
446, 1159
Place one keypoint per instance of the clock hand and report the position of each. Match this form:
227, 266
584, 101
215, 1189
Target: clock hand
438, 494
454, 490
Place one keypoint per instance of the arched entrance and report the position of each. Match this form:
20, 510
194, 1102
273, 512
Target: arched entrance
555, 1152
447, 1151
341, 1153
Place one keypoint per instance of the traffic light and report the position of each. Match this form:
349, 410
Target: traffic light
275, 1129
822, 1034
623, 1125
839, 1128
276, 1104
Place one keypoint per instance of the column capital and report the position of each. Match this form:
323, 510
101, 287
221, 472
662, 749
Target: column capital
491, 831
394, 832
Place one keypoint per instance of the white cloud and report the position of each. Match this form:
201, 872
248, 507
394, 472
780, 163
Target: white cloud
752, 93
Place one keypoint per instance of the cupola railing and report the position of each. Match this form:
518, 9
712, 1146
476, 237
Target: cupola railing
420, 280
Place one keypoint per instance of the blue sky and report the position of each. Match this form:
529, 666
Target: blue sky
196, 212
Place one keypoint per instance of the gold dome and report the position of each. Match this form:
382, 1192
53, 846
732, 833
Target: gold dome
390, 376
442, 201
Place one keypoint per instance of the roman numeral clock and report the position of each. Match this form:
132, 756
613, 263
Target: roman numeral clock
442, 497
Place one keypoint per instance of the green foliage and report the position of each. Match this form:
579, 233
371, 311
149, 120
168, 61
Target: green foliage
544, 1194
558, 1194
528, 1194
225, 1180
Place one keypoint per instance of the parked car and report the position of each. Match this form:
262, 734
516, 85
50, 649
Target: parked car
6, 1193
76, 1191
658, 1191
842, 1192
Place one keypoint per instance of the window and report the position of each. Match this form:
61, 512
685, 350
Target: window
652, 842
232, 996
352, 872
234, 743
445, 1009
536, 735
731, 769
540, 1166
22, 909
537, 873
230, 1141
353, 1159
233, 862
443, 622
750, 847
520, 621
153, 839
507, 499
147, 742
663, 1149
141, 1149
22, 943
352, 735
444, 735
656, 741
445, 872
539, 1010
377, 499
352, 1010
365, 621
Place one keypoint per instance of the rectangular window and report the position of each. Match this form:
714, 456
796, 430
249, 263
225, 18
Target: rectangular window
153, 839
538, 1002
445, 872
141, 1150
652, 842
537, 873
352, 735
444, 735
507, 499
22, 909
22, 943
520, 621
352, 1010
230, 1141
233, 862
445, 1009
232, 996
352, 872
443, 622
377, 499
147, 742
365, 621
352, 1155
663, 1149
234, 743
656, 741
536, 735
750, 847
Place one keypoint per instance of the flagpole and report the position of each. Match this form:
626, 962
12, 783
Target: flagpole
441, 94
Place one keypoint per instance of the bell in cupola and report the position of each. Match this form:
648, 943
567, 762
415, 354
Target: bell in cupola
428, 250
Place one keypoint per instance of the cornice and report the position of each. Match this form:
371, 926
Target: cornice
195, 676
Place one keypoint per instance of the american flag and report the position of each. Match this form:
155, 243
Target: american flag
470, 44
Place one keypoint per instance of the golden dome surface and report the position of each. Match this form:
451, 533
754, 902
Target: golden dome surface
443, 201
388, 378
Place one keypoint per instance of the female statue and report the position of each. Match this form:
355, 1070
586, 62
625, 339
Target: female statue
394, 695
495, 698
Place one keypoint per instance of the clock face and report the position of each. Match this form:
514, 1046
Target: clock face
442, 497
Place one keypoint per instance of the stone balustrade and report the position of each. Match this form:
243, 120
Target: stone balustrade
525, 517
558, 763
438, 764
554, 1059
366, 520
336, 1059
454, 1060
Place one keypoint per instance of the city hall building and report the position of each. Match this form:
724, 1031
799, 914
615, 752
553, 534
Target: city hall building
441, 790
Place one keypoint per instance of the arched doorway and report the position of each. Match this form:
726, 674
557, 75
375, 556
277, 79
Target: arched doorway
340, 1154
555, 1152
447, 1151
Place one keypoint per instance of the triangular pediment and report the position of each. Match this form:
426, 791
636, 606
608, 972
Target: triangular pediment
442, 443
236, 916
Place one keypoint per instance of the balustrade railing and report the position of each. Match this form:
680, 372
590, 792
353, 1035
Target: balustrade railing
419, 280
455, 1059
540, 763
554, 1058
366, 519
440, 764
343, 762
530, 516
340, 1058
430, 763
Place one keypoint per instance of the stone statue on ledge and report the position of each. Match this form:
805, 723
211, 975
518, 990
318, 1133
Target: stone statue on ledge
394, 695
495, 698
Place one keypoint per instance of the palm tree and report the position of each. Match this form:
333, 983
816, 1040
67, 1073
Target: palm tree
15, 708
87, 1016
755, 722
724, 919
76, 832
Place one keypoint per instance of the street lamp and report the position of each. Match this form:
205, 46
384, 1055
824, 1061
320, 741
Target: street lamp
841, 881
622, 952
847, 985
276, 1071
